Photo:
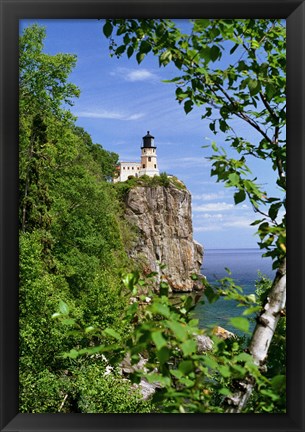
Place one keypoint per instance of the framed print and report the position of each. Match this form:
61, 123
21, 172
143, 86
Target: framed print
113, 314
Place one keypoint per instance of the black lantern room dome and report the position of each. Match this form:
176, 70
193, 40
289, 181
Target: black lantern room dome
148, 141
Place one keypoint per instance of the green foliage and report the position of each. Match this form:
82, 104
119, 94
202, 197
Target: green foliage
72, 241
82, 388
190, 381
100, 393
106, 160
145, 181
43, 392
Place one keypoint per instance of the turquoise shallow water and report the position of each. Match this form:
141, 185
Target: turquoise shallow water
244, 265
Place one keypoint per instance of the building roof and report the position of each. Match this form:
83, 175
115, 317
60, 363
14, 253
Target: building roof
148, 135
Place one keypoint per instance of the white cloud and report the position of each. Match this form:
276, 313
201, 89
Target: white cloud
112, 115
134, 75
213, 207
238, 222
208, 196
212, 216
139, 75
208, 228
224, 223
184, 162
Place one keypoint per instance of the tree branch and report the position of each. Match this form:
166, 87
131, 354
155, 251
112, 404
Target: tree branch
262, 337
242, 114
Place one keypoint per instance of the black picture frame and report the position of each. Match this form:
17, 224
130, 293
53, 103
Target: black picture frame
11, 12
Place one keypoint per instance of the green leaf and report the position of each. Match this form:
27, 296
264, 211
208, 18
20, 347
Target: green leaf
210, 294
239, 196
140, 56
107, 29
130, 51
188, 347
160, 309
164, 289
224, 371
214, 53
254, 44
187, 382
68, 321
186, 366
156, 377
201, 24
224, 391
251, 298
240, 323
145, 47
160, 30
245, 357
270, 91
176, 373
274, 209
251, 310
73, 354
158, 339
210, 363
112, 333
163, 355
213, 144
63, 308
234, 179
223, 125
120, 50
178, 329
194, 322
165, 57
188, 106
278, 383
205, 53
254, 86
130, 280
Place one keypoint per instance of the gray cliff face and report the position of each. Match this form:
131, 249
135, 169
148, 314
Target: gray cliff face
163, 218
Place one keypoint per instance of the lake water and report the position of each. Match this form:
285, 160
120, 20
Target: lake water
244, 265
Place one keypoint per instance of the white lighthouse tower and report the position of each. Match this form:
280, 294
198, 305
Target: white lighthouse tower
149, 164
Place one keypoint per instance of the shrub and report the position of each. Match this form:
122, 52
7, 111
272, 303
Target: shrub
102, 393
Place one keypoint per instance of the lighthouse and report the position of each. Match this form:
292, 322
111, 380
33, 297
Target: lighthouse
149, 165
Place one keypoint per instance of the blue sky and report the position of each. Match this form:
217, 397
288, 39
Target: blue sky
120, 101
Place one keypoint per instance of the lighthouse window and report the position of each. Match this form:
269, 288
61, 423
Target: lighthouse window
132, 168
155, 166
123, 167
149, 159
143, 165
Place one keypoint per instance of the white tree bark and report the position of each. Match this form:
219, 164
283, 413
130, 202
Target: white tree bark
262, 336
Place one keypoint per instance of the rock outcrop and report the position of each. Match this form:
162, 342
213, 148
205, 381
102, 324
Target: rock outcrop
162, 216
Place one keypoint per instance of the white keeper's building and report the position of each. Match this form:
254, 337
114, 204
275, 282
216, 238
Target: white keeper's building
148, 164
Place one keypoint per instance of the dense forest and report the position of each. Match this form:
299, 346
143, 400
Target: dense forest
72, 243
77, 323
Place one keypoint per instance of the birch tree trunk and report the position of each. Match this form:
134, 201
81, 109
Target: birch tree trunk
262, 336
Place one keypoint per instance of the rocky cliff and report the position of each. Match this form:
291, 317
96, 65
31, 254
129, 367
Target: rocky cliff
162, 216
